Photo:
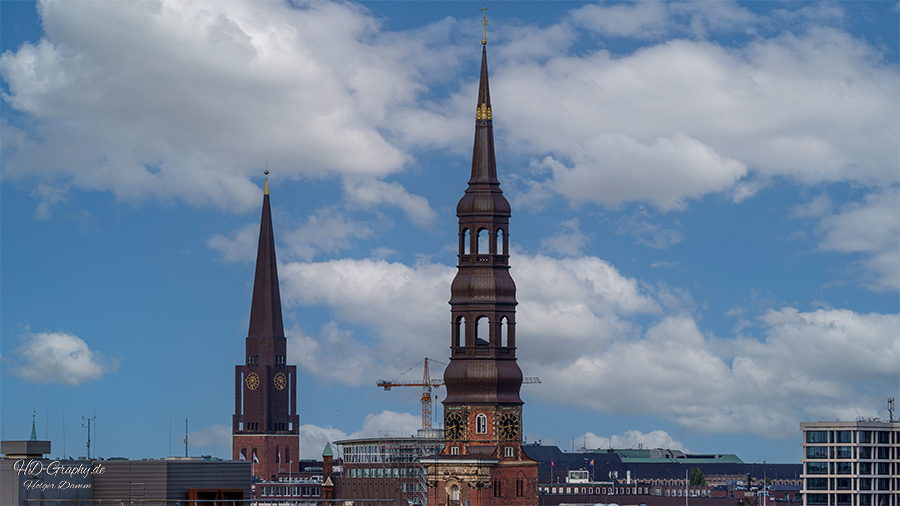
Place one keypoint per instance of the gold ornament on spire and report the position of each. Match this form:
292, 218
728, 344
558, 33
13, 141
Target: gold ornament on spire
484, 28
266, 189
483, 112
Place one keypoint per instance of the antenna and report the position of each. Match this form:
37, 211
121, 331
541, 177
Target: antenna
64, 433
88, 425
891, 408
185, 435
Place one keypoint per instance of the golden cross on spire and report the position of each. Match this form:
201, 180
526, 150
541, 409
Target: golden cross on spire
266, 172
484, 21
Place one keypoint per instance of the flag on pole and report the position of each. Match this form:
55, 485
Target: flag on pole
255, 459
551, 463
592, 461
242, 456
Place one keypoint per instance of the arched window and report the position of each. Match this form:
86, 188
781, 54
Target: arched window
482, 331
459, 333
465, 242
454, 493
483, 247
504, 331
480, 423
501, 245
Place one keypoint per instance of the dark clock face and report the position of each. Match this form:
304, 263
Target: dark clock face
508, 426
280, 381
454, 426
252, 381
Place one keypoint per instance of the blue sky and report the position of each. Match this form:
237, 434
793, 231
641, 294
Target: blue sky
705, 230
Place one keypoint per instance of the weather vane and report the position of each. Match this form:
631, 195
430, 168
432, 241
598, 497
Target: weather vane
484, 21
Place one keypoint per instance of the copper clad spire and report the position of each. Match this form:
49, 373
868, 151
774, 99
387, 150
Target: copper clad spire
265, 310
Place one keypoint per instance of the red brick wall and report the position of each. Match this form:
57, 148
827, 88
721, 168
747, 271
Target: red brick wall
265, 445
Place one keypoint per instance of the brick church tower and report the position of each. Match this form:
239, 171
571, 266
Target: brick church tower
482, 462
265, 425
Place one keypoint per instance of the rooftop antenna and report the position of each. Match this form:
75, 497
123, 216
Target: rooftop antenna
64, 433
185, 435
88, 426
891, 408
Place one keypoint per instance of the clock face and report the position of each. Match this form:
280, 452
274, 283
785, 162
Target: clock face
280, 381
508, 426
252, 381
454, 427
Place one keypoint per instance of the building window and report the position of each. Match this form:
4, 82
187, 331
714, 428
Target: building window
843, 436
454, 450
520, 486
508, 451
480, 423
844, 452
816, 436
817, 452
817, 483
497, 489
816, 468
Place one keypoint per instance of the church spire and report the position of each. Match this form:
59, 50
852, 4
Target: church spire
265, 310
484, 165
33, 431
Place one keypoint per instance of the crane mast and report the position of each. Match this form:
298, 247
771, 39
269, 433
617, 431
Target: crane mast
427, 385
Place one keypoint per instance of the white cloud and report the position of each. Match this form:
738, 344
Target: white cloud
60, 357
649, 234
872, 228
681, 119
313, 438
633, 439
640, 20
217, 436
239, 246
569, 241
47, 196
184, 100
832, 359
392, 301
664, 124
370, 193
325, 231
333, 355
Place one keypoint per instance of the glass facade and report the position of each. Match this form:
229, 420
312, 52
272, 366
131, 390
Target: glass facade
851, 463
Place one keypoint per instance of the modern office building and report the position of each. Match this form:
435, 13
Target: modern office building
393, 458
851, 463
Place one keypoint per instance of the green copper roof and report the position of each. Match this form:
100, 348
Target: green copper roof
327, 451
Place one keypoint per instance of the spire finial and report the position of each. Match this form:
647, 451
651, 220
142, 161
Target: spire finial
266, 172
484, 21
33, 431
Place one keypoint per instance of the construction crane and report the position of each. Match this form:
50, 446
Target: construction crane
427, 385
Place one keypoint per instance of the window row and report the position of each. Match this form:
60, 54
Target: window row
482, 242
385, 472
852, 436
848, 484
290, 491
877, 468
847, 499
852, 452
482, 332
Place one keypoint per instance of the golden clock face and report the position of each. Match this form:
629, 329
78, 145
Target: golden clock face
252, 381
280, 381
508, 426
454, 426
